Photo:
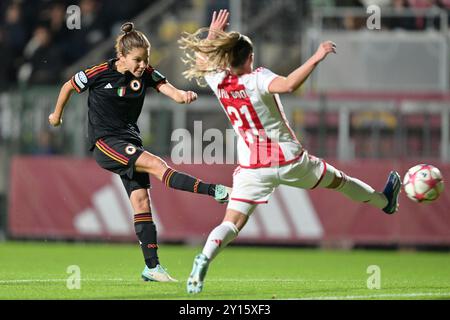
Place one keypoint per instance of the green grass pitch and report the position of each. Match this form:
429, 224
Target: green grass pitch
38, 270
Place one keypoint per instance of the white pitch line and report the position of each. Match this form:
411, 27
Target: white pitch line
370, 296
237, 280
281, 280
56, 280
383, 295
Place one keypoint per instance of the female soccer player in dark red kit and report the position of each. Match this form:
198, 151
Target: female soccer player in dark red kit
117, 89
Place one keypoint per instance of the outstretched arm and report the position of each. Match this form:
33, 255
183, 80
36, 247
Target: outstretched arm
219, 22
296, 78
55, 118
179, 96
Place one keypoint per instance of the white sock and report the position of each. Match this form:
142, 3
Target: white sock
359, 191
222, 235
353, 188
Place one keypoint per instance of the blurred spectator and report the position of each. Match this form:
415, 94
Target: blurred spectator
56, 16
380, 3
350, 21
92, 24
6, 62
444, 5
92, 29
38, 55
402, 21
348, 3
43, 59
422, 21
113, 14
45, 144
15, 31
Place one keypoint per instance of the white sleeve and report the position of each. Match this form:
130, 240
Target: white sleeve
263, 80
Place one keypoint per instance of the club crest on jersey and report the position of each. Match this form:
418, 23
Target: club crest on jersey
121, 91
130, 149
135, 84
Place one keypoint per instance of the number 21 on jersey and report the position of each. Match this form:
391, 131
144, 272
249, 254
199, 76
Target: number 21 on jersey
242, 122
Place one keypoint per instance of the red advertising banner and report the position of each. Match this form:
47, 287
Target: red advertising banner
66, 198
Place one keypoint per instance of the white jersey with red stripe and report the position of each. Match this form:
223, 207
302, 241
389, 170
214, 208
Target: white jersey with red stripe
265, 138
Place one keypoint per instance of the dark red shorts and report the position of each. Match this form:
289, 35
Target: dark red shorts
119, 156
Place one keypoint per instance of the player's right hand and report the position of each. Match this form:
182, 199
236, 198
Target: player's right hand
189, 96
54, 120
219, 22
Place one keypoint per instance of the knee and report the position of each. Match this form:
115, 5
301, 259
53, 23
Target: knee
236, 219
140, 203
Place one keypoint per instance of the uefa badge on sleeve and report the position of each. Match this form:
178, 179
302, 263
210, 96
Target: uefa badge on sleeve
130, 149
156, 76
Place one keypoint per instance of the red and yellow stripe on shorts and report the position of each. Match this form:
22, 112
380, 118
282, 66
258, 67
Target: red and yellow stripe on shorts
111, 153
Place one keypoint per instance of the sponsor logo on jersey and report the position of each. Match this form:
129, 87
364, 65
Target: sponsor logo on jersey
130, 149
135, 84
108, 86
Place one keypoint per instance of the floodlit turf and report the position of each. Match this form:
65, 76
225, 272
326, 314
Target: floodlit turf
38, 270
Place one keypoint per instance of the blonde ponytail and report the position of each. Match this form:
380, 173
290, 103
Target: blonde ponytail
202, 55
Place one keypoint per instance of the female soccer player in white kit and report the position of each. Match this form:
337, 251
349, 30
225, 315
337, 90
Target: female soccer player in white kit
269, 154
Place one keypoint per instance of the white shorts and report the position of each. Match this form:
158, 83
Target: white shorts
255, 186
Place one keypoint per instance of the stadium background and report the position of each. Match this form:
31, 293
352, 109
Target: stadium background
381, 103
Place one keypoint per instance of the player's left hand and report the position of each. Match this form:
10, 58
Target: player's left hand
189, 96
324, 49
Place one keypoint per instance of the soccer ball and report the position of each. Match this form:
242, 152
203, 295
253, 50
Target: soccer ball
423, 183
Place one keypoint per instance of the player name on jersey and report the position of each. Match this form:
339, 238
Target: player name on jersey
241, 94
